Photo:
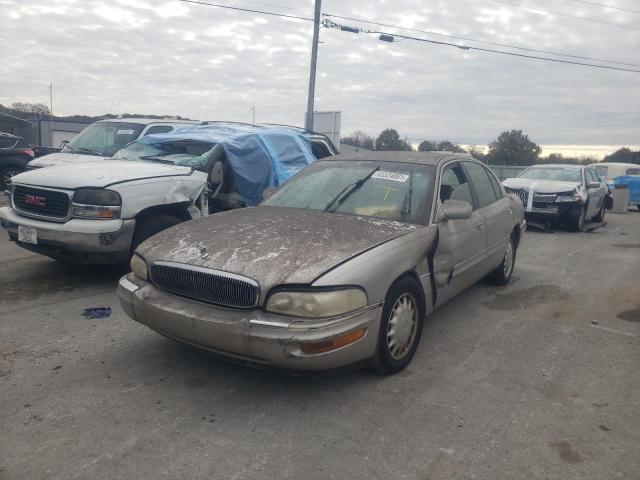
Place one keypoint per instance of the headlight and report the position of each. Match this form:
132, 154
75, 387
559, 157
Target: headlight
138, 267
317, 304
568, 198
96, 203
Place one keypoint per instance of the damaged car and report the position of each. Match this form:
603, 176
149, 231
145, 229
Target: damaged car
564, 194
339, 265
99, 212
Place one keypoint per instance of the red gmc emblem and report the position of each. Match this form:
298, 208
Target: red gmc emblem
35, 201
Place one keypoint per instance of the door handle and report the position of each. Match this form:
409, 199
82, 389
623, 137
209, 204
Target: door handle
480, 225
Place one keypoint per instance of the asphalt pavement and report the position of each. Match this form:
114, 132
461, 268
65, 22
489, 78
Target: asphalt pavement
536, 380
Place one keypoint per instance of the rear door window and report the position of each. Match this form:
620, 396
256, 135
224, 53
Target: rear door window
482, 184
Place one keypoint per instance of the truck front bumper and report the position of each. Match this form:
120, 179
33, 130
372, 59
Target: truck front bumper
253, 336
77, 240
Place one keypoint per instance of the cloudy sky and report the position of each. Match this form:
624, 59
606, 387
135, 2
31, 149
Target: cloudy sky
171, 57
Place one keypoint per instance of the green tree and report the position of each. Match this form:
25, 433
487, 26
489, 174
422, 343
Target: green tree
445, 146
390, 140
623, 155
513, 148
359, 139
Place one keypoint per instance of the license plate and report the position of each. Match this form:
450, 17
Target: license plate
27, 235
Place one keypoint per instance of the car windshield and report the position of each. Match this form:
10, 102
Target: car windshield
189, 153
103, 138
388, 190
561, 174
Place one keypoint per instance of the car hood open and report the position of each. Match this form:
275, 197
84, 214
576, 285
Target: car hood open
97, 174
272, 245
541, 186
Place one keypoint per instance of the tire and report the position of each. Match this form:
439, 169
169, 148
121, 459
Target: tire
638, 206
576, 219
151, 225
502, 275
403, 308
600, 216
6, 173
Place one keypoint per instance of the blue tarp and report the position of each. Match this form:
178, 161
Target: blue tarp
259, 157
633, 184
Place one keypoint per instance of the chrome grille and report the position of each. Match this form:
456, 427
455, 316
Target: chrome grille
205, 284
522, 194
50, 203
540, 198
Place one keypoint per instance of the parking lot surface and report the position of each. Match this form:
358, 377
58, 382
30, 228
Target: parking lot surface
536, 380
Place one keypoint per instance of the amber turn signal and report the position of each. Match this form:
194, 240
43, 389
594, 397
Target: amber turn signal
335, 343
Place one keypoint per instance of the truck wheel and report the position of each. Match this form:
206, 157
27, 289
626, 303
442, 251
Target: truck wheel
149, 226
600, 216
6, 174
400, 327
576, 218
502, 274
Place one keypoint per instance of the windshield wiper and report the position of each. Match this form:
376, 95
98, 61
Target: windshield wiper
347, 191
157, 159
88, 150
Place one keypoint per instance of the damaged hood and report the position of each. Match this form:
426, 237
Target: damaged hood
98, 174
272, 245
63, 158
541, 186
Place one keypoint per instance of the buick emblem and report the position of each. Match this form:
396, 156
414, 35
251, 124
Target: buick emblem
203, 252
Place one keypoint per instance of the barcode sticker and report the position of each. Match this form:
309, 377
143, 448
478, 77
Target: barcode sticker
125, 132
393, 176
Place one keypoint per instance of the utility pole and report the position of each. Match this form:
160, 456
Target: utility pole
51, 100
308, 124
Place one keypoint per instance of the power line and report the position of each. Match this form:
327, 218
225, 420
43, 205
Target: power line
605, 6
390, 38
555, 12
263, 12
495, 44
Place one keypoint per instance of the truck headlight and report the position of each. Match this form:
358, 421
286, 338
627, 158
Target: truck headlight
316, 303
139, 267
568, 198
96, 203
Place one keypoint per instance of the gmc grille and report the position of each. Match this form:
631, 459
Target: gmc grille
205, 285
47, 203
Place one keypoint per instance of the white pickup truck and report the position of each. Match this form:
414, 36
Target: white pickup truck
99, 212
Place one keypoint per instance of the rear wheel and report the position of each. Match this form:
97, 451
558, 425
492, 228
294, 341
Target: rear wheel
151, 225
502, 274
400, 327
6, 174
576, 219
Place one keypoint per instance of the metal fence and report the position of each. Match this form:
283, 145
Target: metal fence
507, 171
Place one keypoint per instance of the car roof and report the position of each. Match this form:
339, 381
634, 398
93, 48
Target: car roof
423, 158
146, 121
558, 165
613, 164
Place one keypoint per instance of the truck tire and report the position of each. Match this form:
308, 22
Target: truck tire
6, 173
600, 216
149, 226
576, 218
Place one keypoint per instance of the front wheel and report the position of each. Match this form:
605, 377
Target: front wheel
400, 327
576, 219
502, 274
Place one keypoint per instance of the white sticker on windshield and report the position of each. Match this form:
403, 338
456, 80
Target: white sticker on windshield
393, 176
125, 132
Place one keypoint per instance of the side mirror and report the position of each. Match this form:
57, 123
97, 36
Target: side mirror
593, 185
455, 210
267, 192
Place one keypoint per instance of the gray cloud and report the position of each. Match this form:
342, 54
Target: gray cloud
166, 56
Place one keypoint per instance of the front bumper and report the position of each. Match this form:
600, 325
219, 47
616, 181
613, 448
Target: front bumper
77, 240
252, 336
550, 211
